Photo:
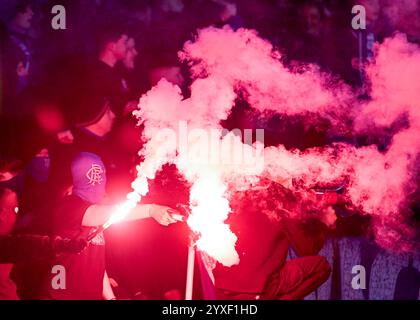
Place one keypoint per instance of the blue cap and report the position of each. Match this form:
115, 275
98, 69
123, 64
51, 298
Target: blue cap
89, 177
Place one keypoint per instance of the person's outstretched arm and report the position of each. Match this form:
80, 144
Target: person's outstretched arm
16, 248
97, 215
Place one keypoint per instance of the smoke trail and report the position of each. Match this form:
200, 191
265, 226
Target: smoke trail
395, 91
169, 127
378, 182
249, 63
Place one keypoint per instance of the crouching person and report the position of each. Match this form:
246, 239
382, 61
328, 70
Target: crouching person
261, 218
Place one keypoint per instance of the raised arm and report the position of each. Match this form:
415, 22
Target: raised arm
16, 248
97, 215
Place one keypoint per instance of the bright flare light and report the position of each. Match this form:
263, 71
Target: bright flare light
210, 210
140, 187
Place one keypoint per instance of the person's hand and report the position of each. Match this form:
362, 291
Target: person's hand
61, 245
163, 214
130, 107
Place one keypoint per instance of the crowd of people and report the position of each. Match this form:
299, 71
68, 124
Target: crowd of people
68, 142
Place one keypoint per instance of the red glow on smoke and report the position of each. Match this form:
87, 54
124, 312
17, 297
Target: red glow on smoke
224, 62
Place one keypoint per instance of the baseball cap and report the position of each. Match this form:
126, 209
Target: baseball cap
89, 177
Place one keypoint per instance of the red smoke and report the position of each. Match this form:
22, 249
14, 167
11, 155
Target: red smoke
224, 62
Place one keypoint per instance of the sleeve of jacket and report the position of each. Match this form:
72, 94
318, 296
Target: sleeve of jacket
306, 237
17, 248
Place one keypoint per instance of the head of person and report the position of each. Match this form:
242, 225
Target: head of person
8, 210
23, 14
131, 54
113, 42
166, 66
89, 177
93, 112
11, 170
312, 15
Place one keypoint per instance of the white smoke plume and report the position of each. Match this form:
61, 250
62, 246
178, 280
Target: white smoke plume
223, 63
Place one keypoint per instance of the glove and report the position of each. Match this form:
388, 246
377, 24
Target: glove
61, 245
